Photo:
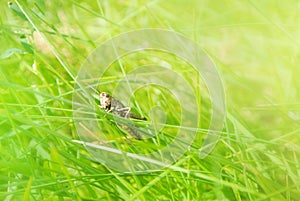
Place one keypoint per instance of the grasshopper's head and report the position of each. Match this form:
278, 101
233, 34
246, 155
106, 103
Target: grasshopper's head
105, 100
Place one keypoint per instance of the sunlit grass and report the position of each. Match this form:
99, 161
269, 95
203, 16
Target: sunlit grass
255, 47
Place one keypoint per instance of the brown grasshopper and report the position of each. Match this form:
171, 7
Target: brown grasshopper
114, 106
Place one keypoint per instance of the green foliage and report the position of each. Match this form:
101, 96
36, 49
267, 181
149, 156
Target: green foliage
255, 46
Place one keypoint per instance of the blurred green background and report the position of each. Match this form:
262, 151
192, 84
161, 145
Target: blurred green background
255, 46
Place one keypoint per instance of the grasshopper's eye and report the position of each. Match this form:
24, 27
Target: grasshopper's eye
103, 94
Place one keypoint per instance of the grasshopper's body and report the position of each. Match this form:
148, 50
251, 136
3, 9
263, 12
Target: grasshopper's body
115, 107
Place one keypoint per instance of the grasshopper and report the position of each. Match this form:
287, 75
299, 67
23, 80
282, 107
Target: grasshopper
114, 106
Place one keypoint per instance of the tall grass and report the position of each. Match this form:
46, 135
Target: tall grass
255, 46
